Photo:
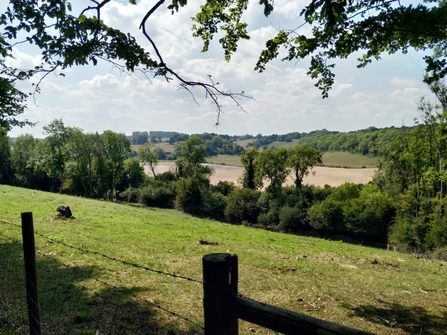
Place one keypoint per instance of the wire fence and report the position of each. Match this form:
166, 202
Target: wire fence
79, 298
80, 295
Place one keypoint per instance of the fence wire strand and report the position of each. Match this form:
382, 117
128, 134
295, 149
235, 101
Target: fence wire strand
121, 261
109, 316
132, 295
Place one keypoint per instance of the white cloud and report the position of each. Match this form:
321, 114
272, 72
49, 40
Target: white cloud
285, 99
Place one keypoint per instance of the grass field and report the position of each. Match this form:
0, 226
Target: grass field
225, 159
353, 285
342, 159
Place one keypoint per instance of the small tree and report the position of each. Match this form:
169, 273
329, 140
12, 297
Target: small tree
272, 165
301, 159
248, 160
148, 157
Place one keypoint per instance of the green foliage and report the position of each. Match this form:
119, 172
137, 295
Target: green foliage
189, 195
242, 205
226, 16
166, 177
22, 161
365, 214
5, 157
133, 175
288, 218
345, 192
327, 217
214, 204
271, 164
131, 194
139, 137
340, 29
158, 196
436, 237
301, 159
189, 165
248, 160
148, 157
223, 187
370, 215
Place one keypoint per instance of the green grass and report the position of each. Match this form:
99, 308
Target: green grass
234, 160
335, 281
286, 145
243, 143
342, 159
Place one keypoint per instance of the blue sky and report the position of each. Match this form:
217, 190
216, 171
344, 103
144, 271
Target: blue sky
98, 98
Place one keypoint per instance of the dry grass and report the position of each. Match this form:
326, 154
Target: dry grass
322, 176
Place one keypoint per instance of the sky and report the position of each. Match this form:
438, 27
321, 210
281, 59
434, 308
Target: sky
284, 98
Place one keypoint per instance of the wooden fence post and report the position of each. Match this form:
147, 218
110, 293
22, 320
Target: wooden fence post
216, 277
29, 253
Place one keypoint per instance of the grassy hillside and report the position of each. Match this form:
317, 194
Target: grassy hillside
225, 159
353, 285
342, 159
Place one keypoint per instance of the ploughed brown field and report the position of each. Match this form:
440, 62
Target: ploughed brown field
322, 176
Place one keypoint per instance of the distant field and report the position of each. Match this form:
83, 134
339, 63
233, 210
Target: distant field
323, 175
243, 143
286, 145
337, 159
225, 159
164, 145
356, 286
342, 159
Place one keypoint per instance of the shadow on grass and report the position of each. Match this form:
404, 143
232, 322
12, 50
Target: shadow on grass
410, 319
69, 307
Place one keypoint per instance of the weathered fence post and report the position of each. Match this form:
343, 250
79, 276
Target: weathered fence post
31, 273
216, 277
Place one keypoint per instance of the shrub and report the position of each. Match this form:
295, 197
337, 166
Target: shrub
271, 218
130, 195
213, 205
190, 196
288, 218
224, 187
166, 177
242, 205
159, 196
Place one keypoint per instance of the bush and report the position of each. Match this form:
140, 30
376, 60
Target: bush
242, 206
190, 196
224, 187
166, 177
288, 218
271, 218
213, 205
159, 196
130, 195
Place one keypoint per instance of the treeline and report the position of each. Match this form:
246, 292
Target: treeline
70, 161
368, 141
405, 203
215, 144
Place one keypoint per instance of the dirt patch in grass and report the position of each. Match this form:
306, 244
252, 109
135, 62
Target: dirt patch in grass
323, 175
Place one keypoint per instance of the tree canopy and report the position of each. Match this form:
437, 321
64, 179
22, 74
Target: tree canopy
338, 29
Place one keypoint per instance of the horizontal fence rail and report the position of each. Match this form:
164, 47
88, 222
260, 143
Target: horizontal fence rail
223, 306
